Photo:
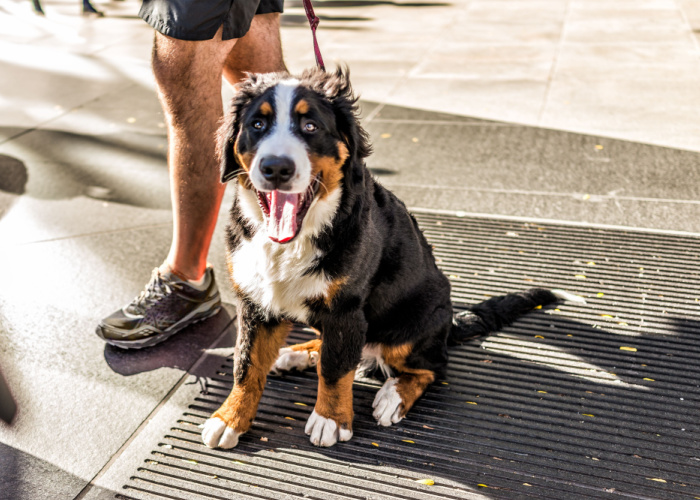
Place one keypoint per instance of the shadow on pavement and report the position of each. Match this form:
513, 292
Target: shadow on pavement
120, 169
13, 181
180, 351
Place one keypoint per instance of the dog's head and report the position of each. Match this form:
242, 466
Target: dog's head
293, 142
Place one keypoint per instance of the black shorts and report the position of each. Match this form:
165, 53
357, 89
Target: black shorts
200, 19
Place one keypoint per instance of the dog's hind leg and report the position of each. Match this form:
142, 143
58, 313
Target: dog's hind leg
297, 357
398, 394
257, 346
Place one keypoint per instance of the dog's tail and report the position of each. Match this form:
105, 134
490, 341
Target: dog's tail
497, 312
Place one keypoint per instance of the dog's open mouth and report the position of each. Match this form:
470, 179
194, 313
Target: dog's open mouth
286, 211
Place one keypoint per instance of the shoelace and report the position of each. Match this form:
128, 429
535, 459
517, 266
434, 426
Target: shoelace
156, 289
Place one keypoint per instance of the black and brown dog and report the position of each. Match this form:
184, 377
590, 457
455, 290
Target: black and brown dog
315, 239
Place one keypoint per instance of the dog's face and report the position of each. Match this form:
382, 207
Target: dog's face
291, 142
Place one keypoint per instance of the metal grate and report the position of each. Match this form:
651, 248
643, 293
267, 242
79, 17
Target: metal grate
573, 401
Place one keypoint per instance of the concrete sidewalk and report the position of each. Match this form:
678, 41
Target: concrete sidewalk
582, 111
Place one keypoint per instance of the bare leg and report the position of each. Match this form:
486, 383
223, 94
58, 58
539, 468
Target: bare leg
259, 51
188, 75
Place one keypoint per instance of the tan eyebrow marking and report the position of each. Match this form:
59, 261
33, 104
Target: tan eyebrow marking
302, 107
266, 108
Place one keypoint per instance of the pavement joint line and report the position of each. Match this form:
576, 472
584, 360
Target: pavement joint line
535, 220
387, 183
555, 63
447, 122
691, 31
407, 75
375, 112
153, 413
85, 235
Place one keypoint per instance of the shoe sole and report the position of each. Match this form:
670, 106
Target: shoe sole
159, 337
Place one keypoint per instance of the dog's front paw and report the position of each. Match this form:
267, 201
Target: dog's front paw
325, 431
216, 434
290, 359
388, 404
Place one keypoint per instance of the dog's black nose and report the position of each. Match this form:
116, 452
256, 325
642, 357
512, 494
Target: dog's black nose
277, 169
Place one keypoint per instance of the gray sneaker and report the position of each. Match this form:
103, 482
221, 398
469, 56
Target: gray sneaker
165, 307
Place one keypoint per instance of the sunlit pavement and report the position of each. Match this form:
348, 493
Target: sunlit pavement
581, 111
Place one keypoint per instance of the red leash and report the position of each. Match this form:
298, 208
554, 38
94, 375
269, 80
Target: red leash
313, 22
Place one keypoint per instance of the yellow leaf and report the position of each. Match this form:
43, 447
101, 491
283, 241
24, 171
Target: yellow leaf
408, 441
189, 461
444, 383
542, 392
622, 323
649, 379
600, 294
538, 307
587, 415
375, 444
591, 263
471, 402
290, 418
427, 482
482, 486
301, 404
580, 276
626, 348
658, 480
539, 337
606, 316
599, 147
527, 484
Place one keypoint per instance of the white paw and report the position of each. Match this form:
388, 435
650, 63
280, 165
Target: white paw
216, 434
324, 431
387, 404
293, 360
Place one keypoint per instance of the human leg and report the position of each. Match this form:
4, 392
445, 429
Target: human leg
188, 75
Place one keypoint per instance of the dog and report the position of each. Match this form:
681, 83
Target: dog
315, 239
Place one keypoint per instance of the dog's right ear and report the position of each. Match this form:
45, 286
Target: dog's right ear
228, 132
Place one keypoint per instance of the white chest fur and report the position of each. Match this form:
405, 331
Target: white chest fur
273, 275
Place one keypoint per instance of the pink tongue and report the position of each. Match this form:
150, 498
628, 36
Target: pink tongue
282, 223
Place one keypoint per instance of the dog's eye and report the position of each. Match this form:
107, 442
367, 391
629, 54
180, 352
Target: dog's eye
258, 124
309, 126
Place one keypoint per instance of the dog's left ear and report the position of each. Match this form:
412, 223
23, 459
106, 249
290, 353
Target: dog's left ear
226, 145
338, 89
